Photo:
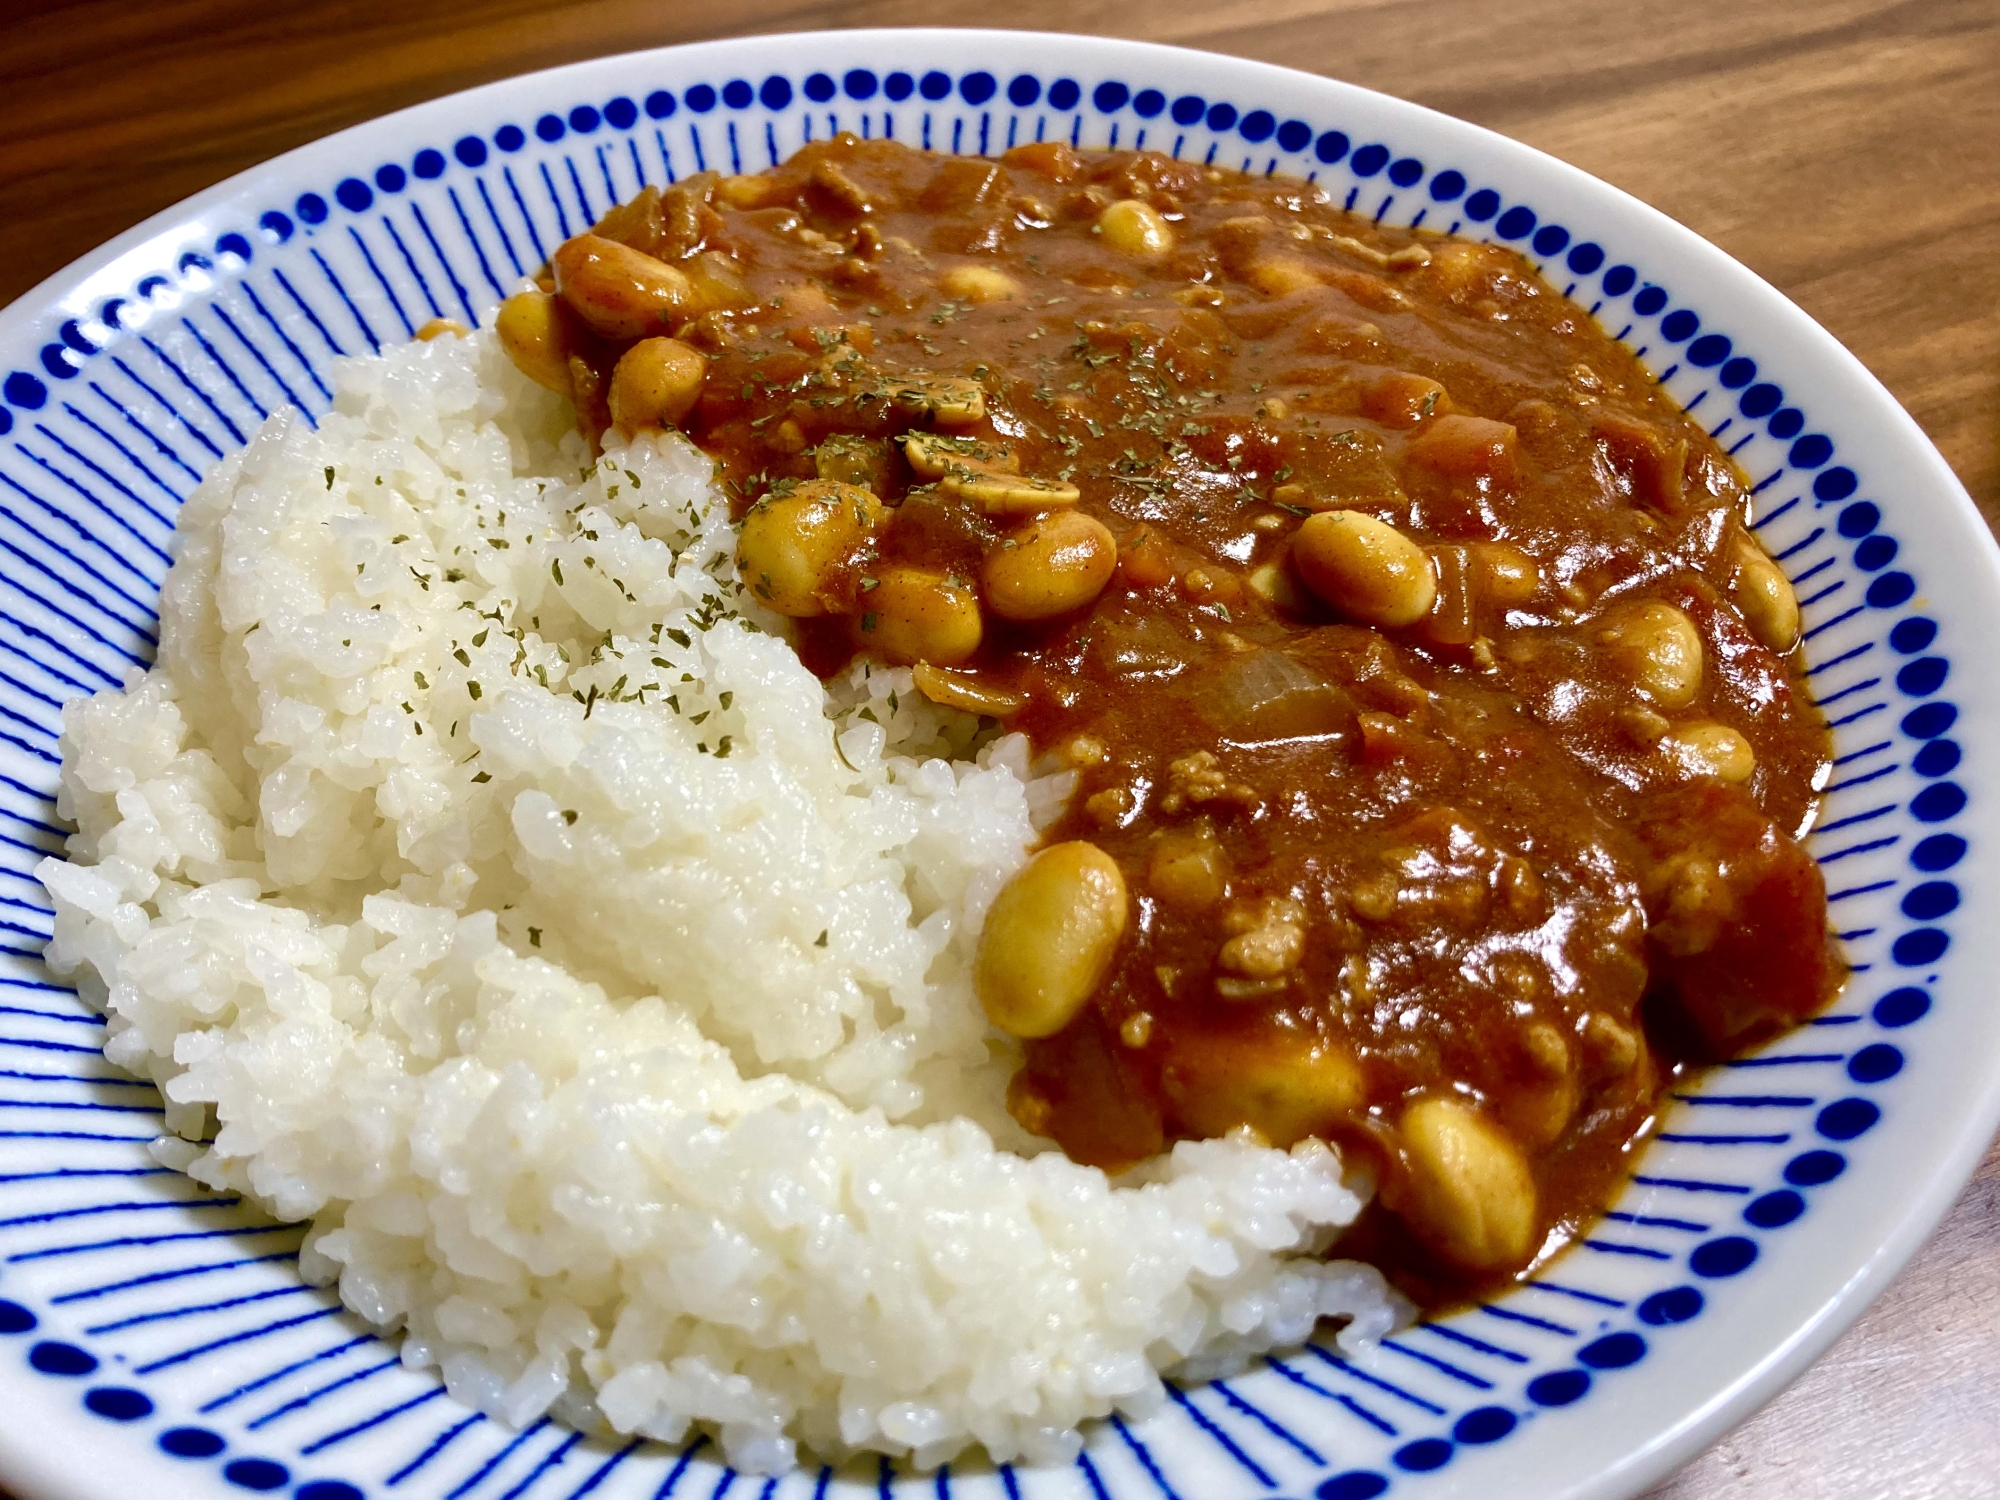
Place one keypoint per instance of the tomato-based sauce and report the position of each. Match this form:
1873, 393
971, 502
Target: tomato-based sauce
1441, 746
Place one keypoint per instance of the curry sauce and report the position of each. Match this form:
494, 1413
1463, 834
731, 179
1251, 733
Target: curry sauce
1441, 744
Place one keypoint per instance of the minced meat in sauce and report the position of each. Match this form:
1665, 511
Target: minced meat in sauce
1441, 745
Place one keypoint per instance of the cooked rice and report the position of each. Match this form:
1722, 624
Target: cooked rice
483, 878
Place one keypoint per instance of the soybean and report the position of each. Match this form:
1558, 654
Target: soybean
1365, 568
1136, 229
1279, 276
1765, 596
1282, 1084
530, 330
1507, 575
793, 547
1709, 752
917, 614
979, 284
656, 383
1657, 648
1539, 1114
621, 292
1050, 938
1470, 1193
1051, 567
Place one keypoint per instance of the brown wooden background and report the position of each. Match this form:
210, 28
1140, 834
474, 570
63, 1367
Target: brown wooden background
1847, 150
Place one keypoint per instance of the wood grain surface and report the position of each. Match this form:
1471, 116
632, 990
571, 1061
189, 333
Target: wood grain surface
1846, 150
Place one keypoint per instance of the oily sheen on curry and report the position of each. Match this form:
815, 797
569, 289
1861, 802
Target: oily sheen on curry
1441, 744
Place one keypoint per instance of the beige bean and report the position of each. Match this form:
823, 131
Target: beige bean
1283, 1085
1466, 272
852, 460
621, 292
1050, 938
1765, 596
1610, 1048
530, 330
1542, 1110
1050, 567
1136, 229
1507, 575
804, 302
1403, 398
793, 545
916, 614
656, 383
1709, 752
1280, 275
437, 328
979, 284
1275, 582
1644, 726
1471, 1195
1466, 450
1546, 1049
1656, 647
1111, 808
1365, 568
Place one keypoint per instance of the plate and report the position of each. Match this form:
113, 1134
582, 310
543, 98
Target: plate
155, 1339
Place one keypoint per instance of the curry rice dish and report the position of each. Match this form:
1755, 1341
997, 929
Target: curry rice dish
1411, 731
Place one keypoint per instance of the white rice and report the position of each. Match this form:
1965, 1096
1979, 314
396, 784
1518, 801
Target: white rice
482, 879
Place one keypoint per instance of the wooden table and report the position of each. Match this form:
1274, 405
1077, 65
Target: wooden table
1847, 150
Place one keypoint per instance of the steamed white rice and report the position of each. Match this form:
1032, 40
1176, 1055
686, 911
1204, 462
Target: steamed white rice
484, 880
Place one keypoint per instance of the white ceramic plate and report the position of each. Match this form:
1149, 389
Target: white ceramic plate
156, 1340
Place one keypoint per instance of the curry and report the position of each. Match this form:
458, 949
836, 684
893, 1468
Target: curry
1442, 748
